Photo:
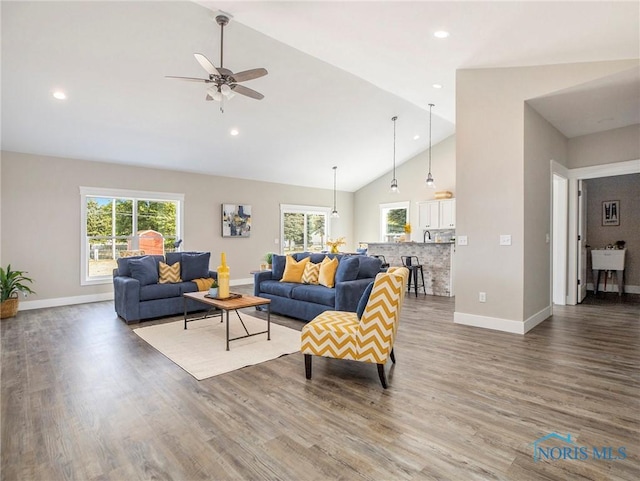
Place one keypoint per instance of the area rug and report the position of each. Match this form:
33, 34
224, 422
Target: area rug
201, 349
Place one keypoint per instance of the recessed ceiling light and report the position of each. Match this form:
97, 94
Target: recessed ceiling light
234, 132
416, 137
437, 86
441, 34
59, 94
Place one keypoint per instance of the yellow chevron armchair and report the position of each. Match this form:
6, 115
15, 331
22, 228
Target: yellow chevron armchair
341, 335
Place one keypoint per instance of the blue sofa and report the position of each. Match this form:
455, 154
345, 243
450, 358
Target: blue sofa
304, 301
138, 295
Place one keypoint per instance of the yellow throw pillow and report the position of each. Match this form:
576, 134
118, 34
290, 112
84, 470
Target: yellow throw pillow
311, 273
169, 274
328, 269
293, 270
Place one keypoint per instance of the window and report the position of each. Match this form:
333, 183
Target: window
303, 228
117, 223
393, 218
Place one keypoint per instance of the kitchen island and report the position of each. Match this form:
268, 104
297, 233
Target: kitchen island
436, 259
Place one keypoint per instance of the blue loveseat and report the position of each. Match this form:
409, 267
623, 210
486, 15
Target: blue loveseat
305, 301
138, 295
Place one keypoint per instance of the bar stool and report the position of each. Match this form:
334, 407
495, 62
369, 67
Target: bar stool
413, 264
385, 264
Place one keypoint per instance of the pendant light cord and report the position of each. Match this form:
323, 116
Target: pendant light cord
394, 146
430, 106
335, 169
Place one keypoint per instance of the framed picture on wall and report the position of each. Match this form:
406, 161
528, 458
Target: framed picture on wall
236, 220
611, 212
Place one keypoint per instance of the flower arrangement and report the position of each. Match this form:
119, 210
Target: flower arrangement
335, 243
407, 228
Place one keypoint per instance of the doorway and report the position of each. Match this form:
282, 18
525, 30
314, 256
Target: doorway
573, 249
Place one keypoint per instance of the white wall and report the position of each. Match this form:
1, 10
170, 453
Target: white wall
490, 185
615, 145
542, 143
40, 216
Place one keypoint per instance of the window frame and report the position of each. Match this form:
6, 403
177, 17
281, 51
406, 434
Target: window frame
384, 208
303, 209
135, 195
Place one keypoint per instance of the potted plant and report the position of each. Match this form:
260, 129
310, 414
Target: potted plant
213, 290
12, 282
268, 258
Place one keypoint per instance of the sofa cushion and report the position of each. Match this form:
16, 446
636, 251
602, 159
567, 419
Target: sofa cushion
277, 288
293, 269
277, 266
348, 269
159, 291
188, 287
311, 273
123, 264
328, 269
316, 294
364, 300
169, 274
369, 267
144, 270
317, 258
195, 265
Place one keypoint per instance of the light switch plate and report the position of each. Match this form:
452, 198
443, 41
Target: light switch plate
505, 240
462, 240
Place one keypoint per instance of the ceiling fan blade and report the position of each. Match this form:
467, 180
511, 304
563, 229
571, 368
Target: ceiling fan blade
240, 89
208, 97
206, 64
249, 74
190, 79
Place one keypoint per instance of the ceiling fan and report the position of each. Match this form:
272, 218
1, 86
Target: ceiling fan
225, 82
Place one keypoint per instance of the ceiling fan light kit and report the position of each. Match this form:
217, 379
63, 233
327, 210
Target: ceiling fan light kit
225, 82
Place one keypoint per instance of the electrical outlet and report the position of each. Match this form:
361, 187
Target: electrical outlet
463, 240
276, 241
482, 296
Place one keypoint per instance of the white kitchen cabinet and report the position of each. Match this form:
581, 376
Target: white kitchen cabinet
448, 214
429, 214
437, 214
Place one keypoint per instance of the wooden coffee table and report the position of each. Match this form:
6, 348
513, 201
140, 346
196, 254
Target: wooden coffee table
231, 305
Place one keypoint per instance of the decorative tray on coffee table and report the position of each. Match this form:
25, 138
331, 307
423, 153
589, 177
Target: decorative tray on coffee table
232, 295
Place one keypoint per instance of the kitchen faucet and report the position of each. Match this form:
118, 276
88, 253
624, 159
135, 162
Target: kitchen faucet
424, 236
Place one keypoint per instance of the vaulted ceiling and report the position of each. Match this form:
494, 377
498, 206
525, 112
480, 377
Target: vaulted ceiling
338, 72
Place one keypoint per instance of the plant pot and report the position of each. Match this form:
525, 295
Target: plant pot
213, 292
9, 308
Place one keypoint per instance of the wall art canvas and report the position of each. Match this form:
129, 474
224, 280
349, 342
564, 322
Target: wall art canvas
236, 220
611, 212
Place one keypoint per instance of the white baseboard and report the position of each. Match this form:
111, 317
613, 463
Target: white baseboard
65, 301
613, 287
498, 324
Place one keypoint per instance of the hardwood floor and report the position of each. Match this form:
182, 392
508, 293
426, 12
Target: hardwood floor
84, 398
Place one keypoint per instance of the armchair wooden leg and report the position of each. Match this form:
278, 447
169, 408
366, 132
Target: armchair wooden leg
392, 356
307, 365
383, 378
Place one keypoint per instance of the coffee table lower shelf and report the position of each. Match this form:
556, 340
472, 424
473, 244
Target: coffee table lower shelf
230, 305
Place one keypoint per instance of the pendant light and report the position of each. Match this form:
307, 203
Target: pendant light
334, 212
430, 181
394, 182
